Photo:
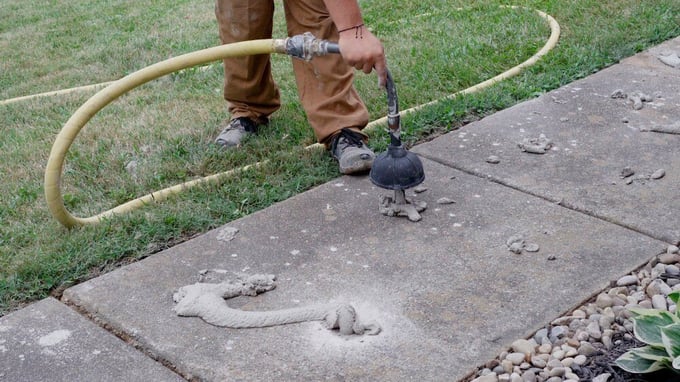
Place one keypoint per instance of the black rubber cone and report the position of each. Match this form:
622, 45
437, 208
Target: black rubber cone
397, 169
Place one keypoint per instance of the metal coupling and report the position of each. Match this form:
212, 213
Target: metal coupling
305, 46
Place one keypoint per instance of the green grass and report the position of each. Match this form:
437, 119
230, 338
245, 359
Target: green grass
166, 127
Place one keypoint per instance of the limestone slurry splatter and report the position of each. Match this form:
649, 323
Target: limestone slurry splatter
516, 244
630, 176
539, 145
207, 301
671, 59
54, 337
401, 206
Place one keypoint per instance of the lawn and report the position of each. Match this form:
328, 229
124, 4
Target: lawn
161, 133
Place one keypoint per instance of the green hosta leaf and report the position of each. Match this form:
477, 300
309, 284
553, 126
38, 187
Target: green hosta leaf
652, 353
647, 326
649, 312
632, 361
670, 336
641, 311
674, 296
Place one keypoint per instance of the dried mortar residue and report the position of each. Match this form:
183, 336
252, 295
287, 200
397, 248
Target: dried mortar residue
401, 206
538, 145
207, 301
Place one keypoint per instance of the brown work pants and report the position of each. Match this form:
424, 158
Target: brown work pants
324, 84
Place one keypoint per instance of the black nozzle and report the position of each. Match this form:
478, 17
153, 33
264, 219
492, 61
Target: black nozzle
397, 168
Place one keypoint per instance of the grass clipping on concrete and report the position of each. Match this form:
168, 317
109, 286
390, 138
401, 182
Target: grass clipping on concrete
161, 133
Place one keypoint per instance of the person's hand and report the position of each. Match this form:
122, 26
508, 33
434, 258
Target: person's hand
363, 51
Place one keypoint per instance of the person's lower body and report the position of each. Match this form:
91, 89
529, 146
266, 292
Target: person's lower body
334, 109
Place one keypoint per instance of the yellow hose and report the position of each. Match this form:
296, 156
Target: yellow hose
68, 133
66, 136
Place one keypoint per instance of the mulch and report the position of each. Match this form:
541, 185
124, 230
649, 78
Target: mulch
604, 363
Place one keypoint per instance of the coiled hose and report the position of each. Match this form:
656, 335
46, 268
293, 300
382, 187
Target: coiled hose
304, 46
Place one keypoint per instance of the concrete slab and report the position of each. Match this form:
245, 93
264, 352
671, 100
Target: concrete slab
47, 341
447, 292
592, 145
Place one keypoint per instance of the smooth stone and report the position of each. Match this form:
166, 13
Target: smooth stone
594, 330
604, 300
557, 332
516, 358
658, 287
558, 354
606, 321
659, 302
582, 335
587, 349
580, 359
573, 343
558, 371
545, 349
578, 313
627, 280
672, 269
669, 258
538, 362
540, 335
491, 377
529, 376
570, 351
524, 346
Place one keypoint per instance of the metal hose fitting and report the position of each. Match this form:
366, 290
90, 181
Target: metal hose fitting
305, 46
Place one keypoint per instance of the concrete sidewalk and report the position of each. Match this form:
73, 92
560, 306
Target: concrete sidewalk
447, 292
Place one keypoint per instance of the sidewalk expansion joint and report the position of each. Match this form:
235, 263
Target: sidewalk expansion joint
560, 202
126, 338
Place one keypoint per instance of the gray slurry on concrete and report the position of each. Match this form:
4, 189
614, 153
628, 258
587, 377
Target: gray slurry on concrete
594, 137
47, 341
447, 292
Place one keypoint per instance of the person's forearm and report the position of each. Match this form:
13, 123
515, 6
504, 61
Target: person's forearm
346, 14
358, 46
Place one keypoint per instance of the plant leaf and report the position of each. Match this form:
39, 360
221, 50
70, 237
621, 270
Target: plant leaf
652, 353
670, 336
647, 327
642, 311
674, 296
632, 362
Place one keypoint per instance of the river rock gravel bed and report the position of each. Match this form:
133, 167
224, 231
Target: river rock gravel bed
583, 345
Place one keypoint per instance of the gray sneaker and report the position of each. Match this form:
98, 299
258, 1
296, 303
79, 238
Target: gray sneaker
237, 129
352, 154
